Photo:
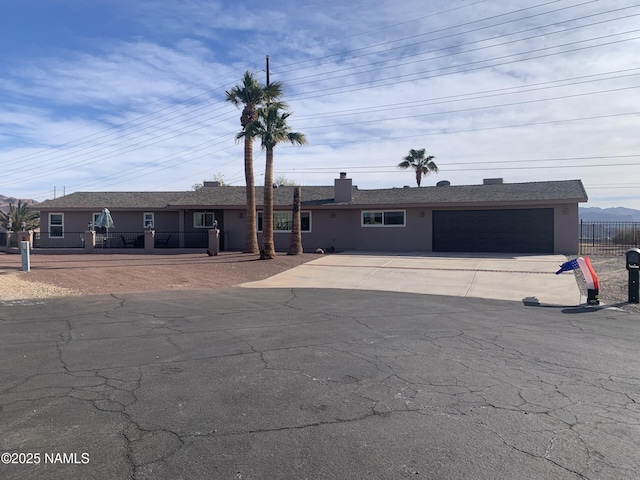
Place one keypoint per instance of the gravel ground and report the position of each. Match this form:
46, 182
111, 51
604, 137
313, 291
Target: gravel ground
62, 275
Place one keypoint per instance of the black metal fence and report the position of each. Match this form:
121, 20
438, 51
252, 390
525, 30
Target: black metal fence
125, 240
9, 239
68, 240
608, 238
187, 239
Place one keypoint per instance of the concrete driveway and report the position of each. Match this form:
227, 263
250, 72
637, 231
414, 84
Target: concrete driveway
527, 278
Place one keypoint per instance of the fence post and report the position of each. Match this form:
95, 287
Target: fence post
149, 241
89, 241
214, 242
580, 238
26, 236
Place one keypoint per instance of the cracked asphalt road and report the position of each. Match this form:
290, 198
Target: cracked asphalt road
283, 384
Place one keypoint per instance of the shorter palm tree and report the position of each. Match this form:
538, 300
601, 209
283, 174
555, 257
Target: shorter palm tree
272, 129
19, 214
421, 164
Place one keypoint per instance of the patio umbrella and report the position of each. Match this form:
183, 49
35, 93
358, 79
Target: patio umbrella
104, 220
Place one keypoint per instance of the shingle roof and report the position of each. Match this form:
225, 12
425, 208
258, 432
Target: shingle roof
237, 196
228, 196
567, 190
100, 200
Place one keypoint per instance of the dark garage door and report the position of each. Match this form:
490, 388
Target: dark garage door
508, 231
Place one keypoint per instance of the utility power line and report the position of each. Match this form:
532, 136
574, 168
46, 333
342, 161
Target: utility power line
477, 41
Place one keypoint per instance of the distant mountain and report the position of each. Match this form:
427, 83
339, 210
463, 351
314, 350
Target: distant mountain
615, 214
5, 201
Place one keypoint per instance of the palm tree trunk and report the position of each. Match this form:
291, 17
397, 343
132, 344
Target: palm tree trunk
295, 247
418, 176
251, 241
268, 248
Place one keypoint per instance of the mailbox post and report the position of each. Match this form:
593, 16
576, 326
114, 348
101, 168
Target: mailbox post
633, 265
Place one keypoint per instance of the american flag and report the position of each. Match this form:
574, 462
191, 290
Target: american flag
567, 266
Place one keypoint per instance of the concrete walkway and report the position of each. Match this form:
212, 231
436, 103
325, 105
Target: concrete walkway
527, 278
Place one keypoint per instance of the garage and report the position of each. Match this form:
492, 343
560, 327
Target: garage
499, 231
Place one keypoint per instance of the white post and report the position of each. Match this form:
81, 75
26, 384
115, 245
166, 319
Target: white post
26, 261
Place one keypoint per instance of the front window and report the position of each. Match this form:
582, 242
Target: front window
56, 225
148, 221
203, 220
283, 221
372, 218
383, 218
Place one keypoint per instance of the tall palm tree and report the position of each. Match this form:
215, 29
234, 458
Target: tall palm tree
272, 129
421, 164
252, 94
18, 214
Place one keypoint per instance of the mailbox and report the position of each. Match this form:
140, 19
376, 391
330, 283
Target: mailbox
633, 265
633, 259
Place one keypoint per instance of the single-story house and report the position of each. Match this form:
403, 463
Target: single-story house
532, 217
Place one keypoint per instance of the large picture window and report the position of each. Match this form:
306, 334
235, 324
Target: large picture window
283, 220
203, 220
383, 218
56, 225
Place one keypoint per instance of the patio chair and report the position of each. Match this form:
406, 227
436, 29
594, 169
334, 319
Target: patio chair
126, 242
164, 242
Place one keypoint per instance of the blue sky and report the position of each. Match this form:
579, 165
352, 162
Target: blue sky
118, 95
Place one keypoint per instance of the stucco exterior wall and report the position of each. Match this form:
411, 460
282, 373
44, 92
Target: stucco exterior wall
189, 225
124, 221
340, 228
566, 229
133, 222
234, 228
73, 221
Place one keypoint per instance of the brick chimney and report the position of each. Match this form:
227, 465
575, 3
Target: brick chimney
342, 189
